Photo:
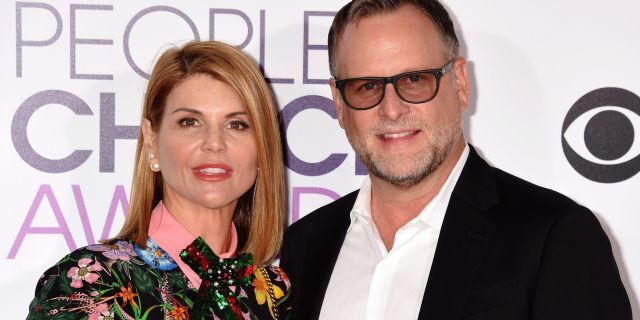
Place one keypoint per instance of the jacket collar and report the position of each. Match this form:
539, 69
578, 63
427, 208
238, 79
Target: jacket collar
466, 233
464, 237
323, 249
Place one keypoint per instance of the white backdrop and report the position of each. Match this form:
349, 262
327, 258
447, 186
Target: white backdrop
544, 73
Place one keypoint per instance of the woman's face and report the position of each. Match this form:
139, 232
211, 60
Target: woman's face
205, 146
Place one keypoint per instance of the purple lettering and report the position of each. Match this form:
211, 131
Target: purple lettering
19, 131
262, 61
138, 16
119, 197
297, 191
306, 47
235, 12
73, 41
62, 228
82, 212
110, 132
296, 164
20, 43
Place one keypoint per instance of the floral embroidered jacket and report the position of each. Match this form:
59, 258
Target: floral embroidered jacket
120, 280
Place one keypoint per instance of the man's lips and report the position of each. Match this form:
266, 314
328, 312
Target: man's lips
212, 172
400, 135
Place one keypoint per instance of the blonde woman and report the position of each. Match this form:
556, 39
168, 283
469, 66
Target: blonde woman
206, 214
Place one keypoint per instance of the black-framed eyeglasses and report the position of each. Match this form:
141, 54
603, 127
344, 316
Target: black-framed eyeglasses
413, 87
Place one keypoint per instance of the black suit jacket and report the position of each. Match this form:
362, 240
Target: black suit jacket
507, 250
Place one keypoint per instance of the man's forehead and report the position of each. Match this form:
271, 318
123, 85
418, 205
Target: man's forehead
387, 16
389, 43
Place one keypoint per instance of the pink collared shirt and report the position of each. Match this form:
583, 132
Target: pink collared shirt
172, 237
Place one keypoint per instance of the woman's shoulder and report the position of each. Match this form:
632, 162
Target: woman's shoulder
90, 259
80, 276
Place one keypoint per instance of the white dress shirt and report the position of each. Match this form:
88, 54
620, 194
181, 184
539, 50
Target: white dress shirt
369, 282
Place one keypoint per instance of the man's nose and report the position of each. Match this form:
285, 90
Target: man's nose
392, 106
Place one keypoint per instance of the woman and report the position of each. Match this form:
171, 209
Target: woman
206, 212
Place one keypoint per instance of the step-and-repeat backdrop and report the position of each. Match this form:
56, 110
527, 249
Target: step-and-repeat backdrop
555, 100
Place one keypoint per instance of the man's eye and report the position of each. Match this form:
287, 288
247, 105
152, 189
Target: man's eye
368, 86
237, 125
417, 80
188, 122
414, 78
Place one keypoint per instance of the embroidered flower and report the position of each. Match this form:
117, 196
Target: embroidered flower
83, 272
178, 312
282, 276
101, 312
127, 295
154, 256
261, 289
121, 250
243, 294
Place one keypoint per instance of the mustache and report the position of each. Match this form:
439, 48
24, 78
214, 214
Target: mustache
384, 125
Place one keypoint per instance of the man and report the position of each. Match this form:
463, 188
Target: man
435, 232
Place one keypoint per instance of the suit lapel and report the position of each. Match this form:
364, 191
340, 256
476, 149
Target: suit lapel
323, 250
466, 232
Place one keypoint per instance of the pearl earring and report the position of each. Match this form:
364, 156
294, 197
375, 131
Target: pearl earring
154, 166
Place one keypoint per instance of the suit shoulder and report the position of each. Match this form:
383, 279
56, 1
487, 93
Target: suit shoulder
539, 206
515, 190
569, 248
532, 209
326, 215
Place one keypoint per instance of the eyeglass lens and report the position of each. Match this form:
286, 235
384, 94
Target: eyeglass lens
413, 87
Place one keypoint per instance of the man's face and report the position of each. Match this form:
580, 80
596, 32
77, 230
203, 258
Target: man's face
399, 142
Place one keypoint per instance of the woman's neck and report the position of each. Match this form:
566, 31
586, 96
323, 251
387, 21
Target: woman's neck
212, 224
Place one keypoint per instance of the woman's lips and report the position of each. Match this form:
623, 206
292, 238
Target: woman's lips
212, 172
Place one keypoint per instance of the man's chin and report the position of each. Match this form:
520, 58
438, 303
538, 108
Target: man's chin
405, 178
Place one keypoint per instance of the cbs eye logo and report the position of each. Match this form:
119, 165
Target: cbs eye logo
599, 135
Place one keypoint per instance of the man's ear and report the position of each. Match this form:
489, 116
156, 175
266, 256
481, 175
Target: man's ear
148, 135
337, 101
462, 82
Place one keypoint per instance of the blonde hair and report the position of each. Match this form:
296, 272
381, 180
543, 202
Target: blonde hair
260, 213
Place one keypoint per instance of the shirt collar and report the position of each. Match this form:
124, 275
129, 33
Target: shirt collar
432, 214
361, 210
172, 237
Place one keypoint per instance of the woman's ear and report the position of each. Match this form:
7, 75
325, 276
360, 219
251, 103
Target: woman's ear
148, 135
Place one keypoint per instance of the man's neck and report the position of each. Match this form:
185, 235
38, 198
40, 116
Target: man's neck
392, 206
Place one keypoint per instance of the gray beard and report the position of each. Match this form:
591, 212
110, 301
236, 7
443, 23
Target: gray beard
427, 160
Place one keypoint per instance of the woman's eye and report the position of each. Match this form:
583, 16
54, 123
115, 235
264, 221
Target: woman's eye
188, 122
237, 125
